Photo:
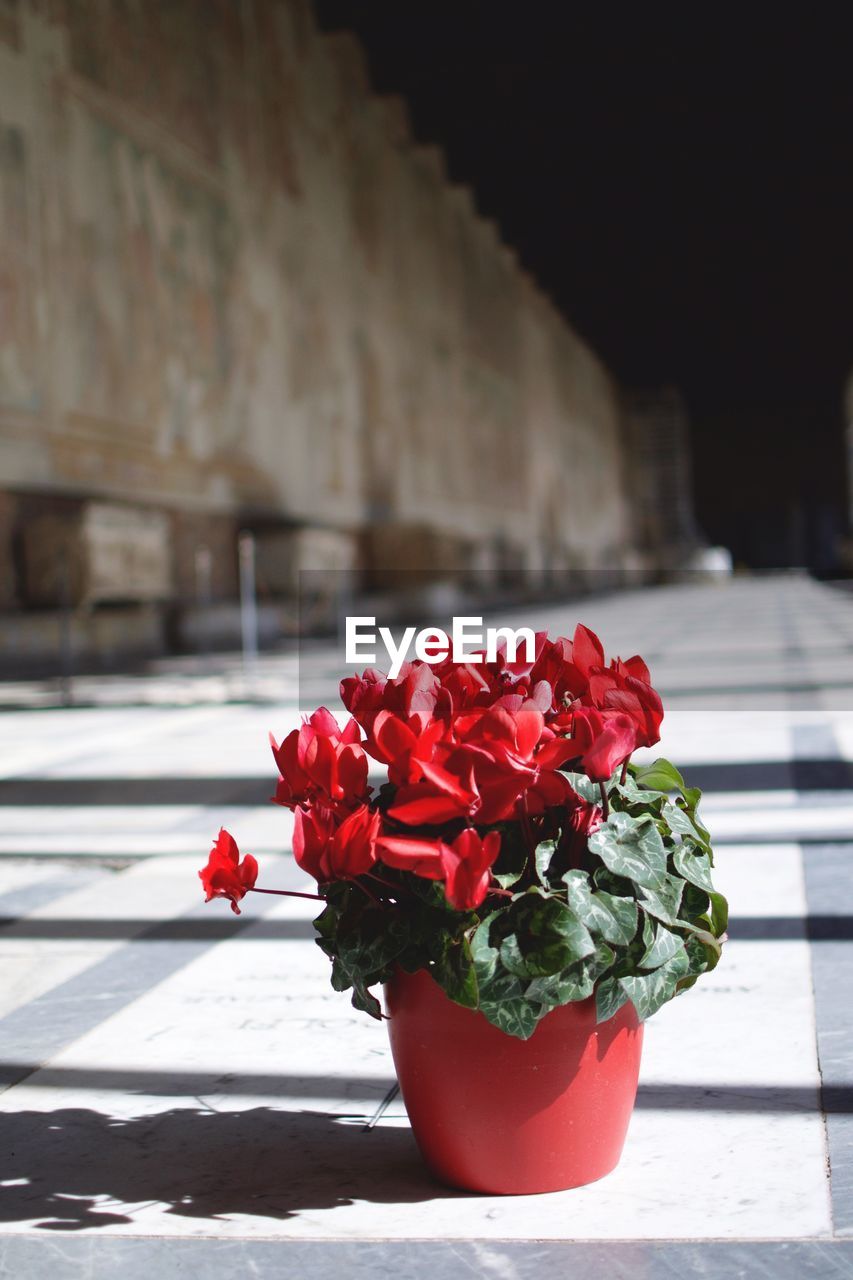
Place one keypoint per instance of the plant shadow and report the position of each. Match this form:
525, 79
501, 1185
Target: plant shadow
60, 1166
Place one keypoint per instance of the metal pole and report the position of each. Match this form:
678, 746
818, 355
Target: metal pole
203, 595
248, 609
66, 646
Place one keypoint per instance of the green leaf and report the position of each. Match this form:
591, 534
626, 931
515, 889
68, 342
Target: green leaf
326, 923
483, 954
617, 886
648, 991
691, 796
660, 776
705, 938
694, 902
366, 1001
631, 847
506, 879
609, 999
602, 960
643, 796
661, 945
503, 1002
613, 918
548, 918
693, 867
561, 988
457, 976
698, 958
585, 787
662, 900
514, 960
345, 976
545, 851
512, 859
718, 915
680, 823
341, 979
547, 936
574, 983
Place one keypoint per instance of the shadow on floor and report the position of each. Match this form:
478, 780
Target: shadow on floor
199, 1164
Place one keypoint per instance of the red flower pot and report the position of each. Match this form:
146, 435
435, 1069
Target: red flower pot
503, 1116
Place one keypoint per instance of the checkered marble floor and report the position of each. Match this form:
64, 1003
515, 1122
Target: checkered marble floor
183, 1090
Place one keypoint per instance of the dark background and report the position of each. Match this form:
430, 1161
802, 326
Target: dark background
680, 180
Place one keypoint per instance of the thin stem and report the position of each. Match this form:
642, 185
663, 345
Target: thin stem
395, 888
290, 893
499, 893
372, 896
624, 774
604, 804
526, 827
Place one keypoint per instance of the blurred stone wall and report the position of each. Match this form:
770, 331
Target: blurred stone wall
235, 293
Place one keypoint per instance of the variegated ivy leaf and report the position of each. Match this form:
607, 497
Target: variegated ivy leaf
635, 794
546, 936
648, 991
661, 944
681, 824
585, 788
631, 847
612, 917
695, 867
504, 1003
718, 914
662, 900
609, 998
458, 976
575, 983
544, 853
483, 954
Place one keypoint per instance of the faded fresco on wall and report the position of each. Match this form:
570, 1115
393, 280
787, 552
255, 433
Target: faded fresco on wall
151, 252
267, 302
9, 29
158, 57
17, 329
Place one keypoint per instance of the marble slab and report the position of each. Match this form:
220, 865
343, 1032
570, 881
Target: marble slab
274, 1076
199, 1086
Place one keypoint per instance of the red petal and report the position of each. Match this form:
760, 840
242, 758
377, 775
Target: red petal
422, 857
325, 723
637, 668
416, 804
351, 732
587, 650
529, 725
226, 847
248, 871
392, 738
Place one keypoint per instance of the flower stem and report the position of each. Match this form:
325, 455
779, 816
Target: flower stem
624, 774
499, 893
372, 896
605, 807
290, 893
395, 888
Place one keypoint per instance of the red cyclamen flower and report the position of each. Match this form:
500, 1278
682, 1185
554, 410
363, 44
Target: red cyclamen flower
603, 740
329, 849
321, 760
464, 865
225, 876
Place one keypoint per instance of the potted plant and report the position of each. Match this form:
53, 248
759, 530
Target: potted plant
526, 895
